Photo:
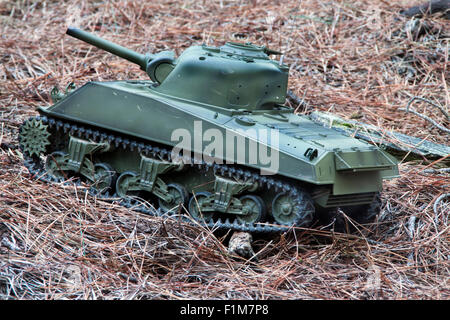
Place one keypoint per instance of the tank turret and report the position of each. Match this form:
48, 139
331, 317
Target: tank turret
235, 75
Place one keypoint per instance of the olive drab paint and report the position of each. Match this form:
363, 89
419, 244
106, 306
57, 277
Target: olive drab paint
229, 101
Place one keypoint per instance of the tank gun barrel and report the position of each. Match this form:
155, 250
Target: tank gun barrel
130, 55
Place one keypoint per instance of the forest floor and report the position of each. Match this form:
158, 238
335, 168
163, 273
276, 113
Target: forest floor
357, 59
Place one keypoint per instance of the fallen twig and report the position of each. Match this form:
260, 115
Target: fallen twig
437, 125
436, 204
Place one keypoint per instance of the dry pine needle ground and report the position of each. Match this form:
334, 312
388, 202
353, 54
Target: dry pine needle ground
358, 59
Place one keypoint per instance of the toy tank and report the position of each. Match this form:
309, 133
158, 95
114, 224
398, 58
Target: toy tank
208, 135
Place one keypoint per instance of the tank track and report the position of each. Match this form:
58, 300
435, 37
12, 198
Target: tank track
36, 168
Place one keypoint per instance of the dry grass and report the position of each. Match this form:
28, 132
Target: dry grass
355, 58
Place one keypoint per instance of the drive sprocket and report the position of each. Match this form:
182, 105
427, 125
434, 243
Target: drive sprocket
33, 137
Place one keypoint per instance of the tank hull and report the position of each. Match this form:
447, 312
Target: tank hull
279, 138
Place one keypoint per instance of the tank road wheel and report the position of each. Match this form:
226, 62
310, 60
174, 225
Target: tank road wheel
124, 184
195, 203
254, 209
179, 198
104, 177
293, 211
54, 165
33, 137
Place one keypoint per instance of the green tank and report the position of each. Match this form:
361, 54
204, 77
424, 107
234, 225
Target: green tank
207, 135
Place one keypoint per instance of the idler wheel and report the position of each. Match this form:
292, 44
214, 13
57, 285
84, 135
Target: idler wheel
54, 165
179, 198
293, 211
126, 184
196, 202
104, 177
253, 209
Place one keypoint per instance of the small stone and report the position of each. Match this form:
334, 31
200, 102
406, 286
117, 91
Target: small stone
240, 244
